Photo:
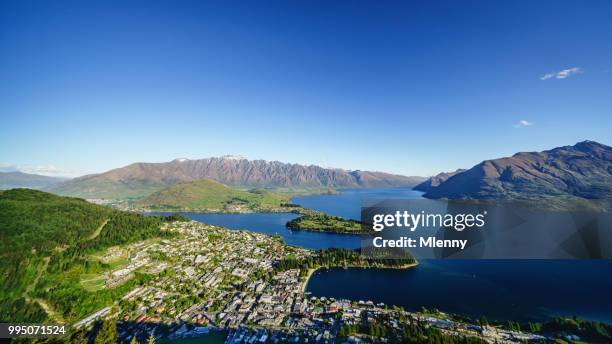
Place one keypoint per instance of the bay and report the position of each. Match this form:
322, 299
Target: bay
519, 290
274, 224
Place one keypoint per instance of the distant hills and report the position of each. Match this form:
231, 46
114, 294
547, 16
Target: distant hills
211, 195
11, 180
436, 180
143, 179
579, 172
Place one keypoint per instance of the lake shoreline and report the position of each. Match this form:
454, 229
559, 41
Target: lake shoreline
290, 210
311, 271
496, 289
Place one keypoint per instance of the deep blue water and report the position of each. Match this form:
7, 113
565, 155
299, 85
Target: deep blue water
274, 224
523, 290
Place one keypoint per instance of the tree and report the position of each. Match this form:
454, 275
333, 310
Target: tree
513, 326
108, 332
535, 327
372, 330
79, 338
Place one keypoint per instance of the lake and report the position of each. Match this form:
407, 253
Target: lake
523, 290
274, 224
520, 290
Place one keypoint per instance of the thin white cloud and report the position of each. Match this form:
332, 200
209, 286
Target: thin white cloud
547, 76
8, 167
43, 170
523, 123
563, 74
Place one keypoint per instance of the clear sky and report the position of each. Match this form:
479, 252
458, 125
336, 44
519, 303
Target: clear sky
411, 87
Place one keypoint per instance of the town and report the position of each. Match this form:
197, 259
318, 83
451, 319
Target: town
208, 278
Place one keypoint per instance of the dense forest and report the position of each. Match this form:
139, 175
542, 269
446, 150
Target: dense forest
591, 331
43, 236
336, 257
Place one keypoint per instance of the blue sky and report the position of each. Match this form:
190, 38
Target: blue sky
411, 87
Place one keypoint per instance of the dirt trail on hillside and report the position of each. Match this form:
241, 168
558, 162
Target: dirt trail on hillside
98, 230
51, 313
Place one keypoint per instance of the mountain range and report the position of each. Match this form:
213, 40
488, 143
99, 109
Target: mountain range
582, 171
143, 179
11, 180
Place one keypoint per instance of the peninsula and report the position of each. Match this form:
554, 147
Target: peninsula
316, 221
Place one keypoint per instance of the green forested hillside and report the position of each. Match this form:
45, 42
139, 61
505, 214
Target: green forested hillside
41, 221
211, 195
43, 241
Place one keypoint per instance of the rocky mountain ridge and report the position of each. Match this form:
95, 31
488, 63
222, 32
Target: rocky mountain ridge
142, 179
582, 171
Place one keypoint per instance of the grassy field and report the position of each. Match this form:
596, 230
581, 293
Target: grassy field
117, 263
211, 195
92, 282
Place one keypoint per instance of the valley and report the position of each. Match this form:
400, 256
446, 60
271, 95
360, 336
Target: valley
187, 278
213, 197
183, 277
